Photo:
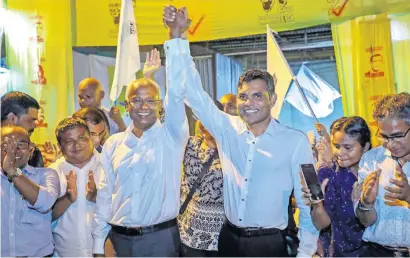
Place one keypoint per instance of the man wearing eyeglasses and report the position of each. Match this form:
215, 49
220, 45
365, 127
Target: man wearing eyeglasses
139, 190
97, 123
384, 206
27, 195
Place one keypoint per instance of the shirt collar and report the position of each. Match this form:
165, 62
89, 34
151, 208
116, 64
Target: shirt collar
130, 136
92, 160
271, 129
387, 152
30, 170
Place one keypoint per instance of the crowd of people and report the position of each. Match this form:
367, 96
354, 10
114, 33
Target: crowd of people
235, 188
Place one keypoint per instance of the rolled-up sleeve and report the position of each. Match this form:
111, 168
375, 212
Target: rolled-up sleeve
308, 234
48, 193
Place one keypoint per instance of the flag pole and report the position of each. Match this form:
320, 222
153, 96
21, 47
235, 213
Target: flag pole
305, 99
294, 77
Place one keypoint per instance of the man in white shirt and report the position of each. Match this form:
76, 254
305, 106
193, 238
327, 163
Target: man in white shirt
260, 157
138, 194
73, 212
384, 207
90, 94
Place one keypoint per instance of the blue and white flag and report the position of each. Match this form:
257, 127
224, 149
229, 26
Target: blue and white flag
319, 93
127, 62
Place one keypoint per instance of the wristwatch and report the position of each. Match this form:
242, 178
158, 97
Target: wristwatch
16, 174
364, 209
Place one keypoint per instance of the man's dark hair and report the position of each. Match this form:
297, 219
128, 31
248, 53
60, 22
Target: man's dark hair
93, 115
255, 74
393, 106
354, 126
18, 103
68, 124
219, 105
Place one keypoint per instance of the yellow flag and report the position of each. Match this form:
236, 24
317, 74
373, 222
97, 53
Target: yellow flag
279, 69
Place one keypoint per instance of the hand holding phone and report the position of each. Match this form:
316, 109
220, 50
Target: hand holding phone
309, 176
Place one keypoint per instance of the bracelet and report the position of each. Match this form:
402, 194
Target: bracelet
17, 173
317, 204
361, 208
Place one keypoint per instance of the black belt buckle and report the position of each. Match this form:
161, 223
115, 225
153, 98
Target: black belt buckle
248, 232
134, 231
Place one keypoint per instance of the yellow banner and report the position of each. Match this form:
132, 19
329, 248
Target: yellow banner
39, 55
365, 64
97, 20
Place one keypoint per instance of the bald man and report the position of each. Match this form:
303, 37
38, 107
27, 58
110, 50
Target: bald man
139, 191
90, 94
228, 102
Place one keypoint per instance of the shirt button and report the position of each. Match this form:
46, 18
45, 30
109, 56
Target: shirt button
253, 142
243, 200
249, 160
11, 216
246, 180
240, 219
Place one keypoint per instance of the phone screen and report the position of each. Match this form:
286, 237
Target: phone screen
311, 180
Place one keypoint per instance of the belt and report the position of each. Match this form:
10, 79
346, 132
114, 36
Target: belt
252, 231
138, 231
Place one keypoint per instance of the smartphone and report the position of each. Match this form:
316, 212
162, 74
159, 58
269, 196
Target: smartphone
312, 182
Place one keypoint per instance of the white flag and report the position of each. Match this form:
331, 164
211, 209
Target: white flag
278, 67
319, 93
127, 62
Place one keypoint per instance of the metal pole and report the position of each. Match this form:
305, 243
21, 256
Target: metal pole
305, 99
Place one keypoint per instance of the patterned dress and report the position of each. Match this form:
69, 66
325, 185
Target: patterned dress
202, 221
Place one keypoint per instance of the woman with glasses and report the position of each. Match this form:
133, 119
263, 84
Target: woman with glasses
350, 138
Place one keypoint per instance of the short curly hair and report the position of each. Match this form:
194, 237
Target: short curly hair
393, 106
255, 74
68, 124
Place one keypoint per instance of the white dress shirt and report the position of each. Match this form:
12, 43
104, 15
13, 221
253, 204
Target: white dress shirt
141, 178
392, 227
72, 230
259, 172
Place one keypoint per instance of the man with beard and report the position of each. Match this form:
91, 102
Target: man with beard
260, 157
384, 206
18, 108
27, 195
138, 194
